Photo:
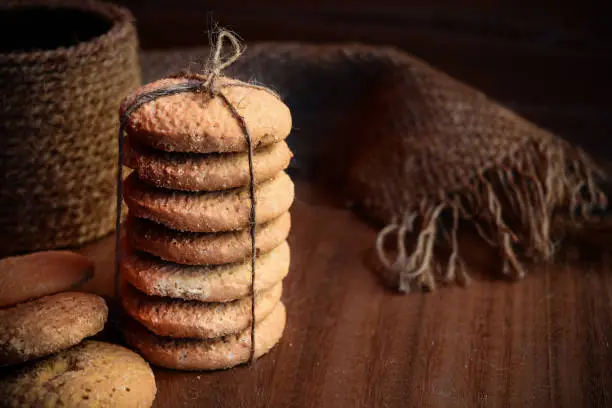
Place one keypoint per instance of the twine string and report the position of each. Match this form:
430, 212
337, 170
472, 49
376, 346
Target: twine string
200, 83
217, 64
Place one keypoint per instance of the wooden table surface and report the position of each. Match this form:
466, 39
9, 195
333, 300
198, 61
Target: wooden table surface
349, 342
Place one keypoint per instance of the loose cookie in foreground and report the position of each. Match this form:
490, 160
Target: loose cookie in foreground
38, 274
205, 172
213, 354
192, 319
48, 325
193, 122
192, 248
91, 374
216, 283
211, 211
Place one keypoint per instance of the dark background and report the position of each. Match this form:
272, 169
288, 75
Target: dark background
547, 59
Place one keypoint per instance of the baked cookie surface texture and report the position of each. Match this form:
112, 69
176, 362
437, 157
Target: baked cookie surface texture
194, 290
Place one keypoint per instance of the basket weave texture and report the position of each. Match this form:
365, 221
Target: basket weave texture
58, 121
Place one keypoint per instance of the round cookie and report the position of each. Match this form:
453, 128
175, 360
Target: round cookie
193, 319
213, 211
49, 324
204, 172
38, 274
212, 354
192, 248
91, 374
221, 283
193, 122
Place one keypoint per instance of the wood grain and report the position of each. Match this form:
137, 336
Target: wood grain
545, 341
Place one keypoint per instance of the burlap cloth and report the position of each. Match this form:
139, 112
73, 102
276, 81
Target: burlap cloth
418, 152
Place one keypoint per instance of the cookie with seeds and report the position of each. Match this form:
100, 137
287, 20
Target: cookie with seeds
193, 319
50, 324
194, 122
204, 172
193, 248
217, 283
210, 354
91, 374
31, 276
213, 211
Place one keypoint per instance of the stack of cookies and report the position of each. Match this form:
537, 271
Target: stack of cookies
185, 267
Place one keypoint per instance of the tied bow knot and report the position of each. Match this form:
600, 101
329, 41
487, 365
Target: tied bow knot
216, 64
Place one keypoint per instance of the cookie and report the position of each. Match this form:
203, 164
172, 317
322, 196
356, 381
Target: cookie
40, 274
49, 324
193, 248
204, 172
221, 283
212, 354
193, 122
213, 211
91, 374
193, 319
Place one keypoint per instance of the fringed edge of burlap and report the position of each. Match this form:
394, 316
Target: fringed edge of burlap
512, 205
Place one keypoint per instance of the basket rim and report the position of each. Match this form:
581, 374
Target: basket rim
121, 20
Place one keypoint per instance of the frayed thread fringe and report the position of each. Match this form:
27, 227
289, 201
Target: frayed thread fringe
513, 206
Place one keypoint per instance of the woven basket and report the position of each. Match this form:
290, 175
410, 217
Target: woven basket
60, 94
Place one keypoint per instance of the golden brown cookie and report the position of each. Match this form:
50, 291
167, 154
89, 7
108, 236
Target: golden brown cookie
212, 211
221, 283
192, 122
42, 273
193, 319
48, 325
91, 374
193, 248
204, 172
212, 354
